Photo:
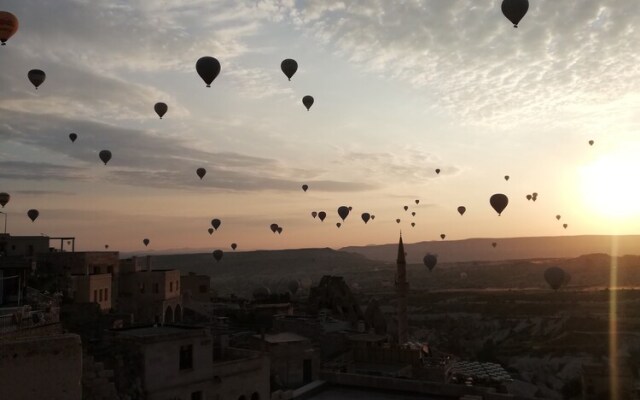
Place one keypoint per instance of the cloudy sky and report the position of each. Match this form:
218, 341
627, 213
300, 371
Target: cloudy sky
401, 88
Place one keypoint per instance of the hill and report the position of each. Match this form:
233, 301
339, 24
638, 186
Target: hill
452, 251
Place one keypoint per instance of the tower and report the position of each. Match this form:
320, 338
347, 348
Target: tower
402, 287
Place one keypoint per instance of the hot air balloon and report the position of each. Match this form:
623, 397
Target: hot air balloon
413, 224
366, 217
499, 202
201, 172
274, 228
146, 242
33, 214
208, 68
217, 254
558, 217
373, 217
105, 156
506, 177
534, 195
406, 208
210, 230
73, 137
289, 67
529, 197
305, 187
430, 260
36, 77
106, 246
350, 208
462, 210
338, 224
438, 171
216, 223
494, 244
279, 230
565, 226
591, 142
233, 246
443, 236
8, 26
515, 10
314, 214
322, 215
160, 109
4, 199
398, 221
343, 212
307, 101
413, 213
417, 201
555, 277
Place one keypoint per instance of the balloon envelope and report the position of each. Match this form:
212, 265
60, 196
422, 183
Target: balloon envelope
442, 236
273, 227
555, 277
217, 254
105, 156
161, 109
33, 214
529, 197
314, 214
216, 223
208, 68
430, 260
8, 26
343, 212
146, 242
4, 199
398, 220
413, 224
73, 137
499, 202
462, 210
591, 142
565, 226
494, 244
322, 215
233, 246
307, 101
210, 230
305, 187
289, 67
36, 77
201, 172
515, 10
438, 171
279, 230
506, 177
558, 217
338, 224
417, 201
366, 217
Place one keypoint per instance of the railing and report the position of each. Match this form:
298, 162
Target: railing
20, 318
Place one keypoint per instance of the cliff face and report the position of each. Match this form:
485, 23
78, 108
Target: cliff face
333, 293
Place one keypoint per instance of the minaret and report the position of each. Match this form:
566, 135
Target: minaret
402, 287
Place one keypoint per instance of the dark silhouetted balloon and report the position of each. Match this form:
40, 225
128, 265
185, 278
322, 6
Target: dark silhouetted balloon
534, 194
499, 202
529, 197
289, 67
565, 226
105, 156
515, 10
161, 109
443, 236
338, 224
106, 246
233, 246
366, 217
314, 214
216, 223
343, 212
274, 228
208, 68
494, 244
555, 277
305, 187
413, 213
307, 101
373, 217
146, 242
350, 208
8, 26
438, 171
417, 201
217, 254
210, 230
398, 221
201, 172
430, 260
36, 77
322, 215
413, 224
462, 210
4, 199
279, 230
33, 214
591, 142
73, 137
406, 208
506, 177
558, 217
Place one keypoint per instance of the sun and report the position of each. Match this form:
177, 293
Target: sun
611, 185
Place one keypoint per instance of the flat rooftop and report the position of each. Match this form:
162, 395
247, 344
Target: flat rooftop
155, 331
285, 337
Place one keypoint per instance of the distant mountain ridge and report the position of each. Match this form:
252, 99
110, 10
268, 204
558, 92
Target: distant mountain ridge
452, 251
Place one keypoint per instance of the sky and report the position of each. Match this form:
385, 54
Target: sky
401, 88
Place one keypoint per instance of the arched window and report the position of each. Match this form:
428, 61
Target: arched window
168, 315
177, 314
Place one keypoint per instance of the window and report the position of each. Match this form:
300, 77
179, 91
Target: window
100, 295
106, 294
110, 269
96, 270
203, 288
95, 296
156, 288
197, 395
170, 286
186, 357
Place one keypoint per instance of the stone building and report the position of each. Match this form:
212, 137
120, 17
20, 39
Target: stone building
178, 362
196, 287
94, 288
